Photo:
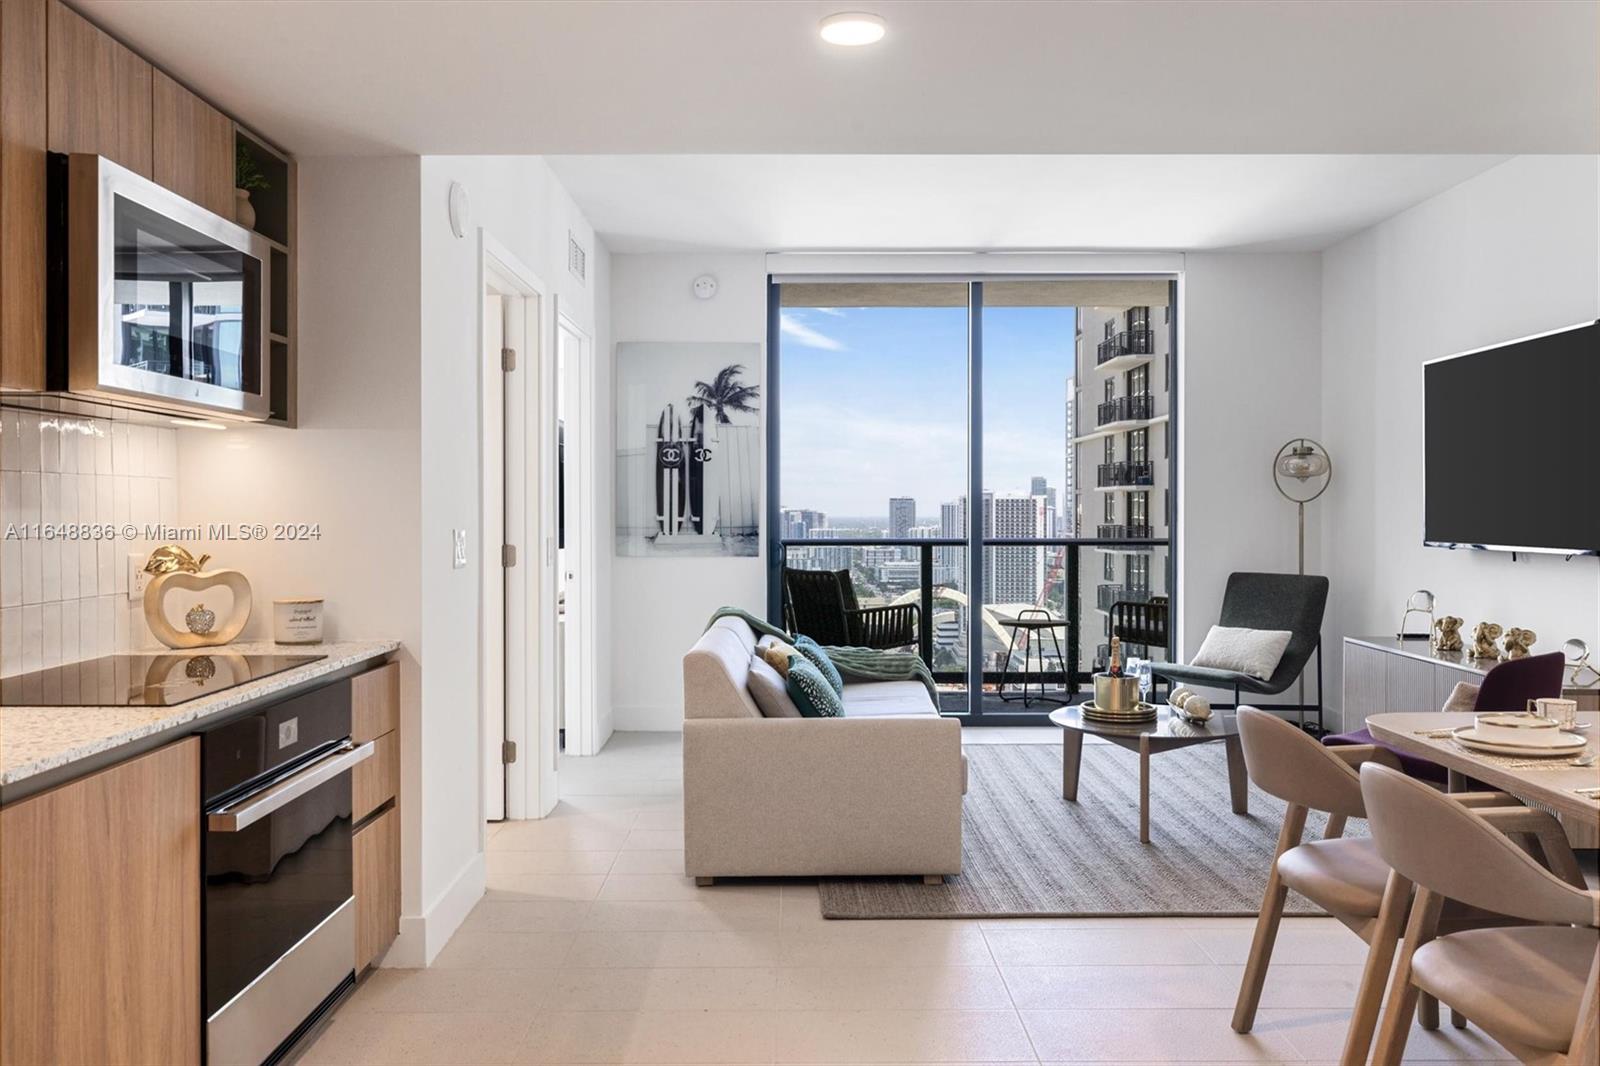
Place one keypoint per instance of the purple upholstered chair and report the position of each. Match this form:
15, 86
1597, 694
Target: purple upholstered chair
1507, 687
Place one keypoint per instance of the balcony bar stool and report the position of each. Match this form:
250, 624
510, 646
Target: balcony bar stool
1533, 988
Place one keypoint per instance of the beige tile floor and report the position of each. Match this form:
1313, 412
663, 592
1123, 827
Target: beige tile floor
591, 947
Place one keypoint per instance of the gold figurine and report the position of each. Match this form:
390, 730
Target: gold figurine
1484, 634
1447, 634
1518, 641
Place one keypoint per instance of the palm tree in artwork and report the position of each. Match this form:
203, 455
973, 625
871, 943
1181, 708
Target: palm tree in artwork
724, 394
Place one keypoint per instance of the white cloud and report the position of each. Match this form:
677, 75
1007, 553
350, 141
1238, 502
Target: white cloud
831, 312
804, 335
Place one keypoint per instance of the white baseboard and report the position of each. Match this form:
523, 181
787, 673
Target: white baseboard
423, 936
648, 718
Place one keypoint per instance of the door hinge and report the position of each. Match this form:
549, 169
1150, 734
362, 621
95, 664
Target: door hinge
508, 359
508, 751
508, 555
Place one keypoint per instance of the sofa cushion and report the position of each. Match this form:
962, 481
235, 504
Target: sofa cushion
888, 699
771, 690
811, 692
776, 653
819, 658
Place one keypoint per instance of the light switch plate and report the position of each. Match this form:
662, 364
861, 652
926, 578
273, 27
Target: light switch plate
137, 578
458, 551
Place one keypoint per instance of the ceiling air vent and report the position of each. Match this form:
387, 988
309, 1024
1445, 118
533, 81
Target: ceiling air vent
577, 258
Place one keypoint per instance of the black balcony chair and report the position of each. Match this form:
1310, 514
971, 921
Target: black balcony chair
1268, 601
822, 604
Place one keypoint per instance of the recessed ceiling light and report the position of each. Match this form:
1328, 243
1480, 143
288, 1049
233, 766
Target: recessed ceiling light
852, 28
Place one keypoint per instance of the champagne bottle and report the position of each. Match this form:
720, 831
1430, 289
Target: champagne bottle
1114, 664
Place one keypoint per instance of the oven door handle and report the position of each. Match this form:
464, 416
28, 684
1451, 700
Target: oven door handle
258, 805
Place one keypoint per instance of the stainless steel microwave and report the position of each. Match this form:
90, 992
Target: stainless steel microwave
161, 304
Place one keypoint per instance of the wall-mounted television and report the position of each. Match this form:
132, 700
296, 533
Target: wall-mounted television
1511, 445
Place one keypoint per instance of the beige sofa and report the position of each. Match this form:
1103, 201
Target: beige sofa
876, 791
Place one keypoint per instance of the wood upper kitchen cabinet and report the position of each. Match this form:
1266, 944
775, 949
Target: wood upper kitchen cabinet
23, 138
193, 146
100, 916
99, 93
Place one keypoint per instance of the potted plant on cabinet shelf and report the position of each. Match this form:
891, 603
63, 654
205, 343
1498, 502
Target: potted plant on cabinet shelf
246, 176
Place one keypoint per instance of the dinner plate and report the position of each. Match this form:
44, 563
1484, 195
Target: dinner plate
1145, 712
1561, 744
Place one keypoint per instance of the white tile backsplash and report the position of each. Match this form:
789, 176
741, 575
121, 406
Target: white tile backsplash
64, 600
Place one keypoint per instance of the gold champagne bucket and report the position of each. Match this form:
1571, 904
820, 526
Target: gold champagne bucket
1116, 693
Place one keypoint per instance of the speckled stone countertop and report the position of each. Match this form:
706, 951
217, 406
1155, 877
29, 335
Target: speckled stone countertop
36, 740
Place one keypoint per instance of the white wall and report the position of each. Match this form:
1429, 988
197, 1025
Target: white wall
1513, 251
518, 202
660, 606
386, 460
351, 466
1250, 364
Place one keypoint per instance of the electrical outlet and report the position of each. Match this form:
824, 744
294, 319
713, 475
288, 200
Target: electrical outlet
137, 578
458, 550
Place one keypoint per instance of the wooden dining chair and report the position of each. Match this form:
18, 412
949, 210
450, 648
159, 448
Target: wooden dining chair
1344, 876
1535, 988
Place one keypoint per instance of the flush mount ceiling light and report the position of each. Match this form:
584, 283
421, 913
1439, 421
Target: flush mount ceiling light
852, 29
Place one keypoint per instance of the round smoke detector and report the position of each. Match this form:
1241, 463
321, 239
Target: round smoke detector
705, 286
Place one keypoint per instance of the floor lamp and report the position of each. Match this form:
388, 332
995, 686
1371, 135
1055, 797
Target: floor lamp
1302, 471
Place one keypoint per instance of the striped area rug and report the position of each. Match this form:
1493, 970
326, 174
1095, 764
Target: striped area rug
1026, 852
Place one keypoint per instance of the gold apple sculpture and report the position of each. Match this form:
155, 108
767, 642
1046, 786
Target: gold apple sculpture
173, 567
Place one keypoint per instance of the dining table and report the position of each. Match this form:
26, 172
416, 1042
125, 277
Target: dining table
1558, 784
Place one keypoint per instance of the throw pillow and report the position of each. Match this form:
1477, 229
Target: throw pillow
811, 692
819, 658
770, 690
1243, 651
1464, 697
776, 654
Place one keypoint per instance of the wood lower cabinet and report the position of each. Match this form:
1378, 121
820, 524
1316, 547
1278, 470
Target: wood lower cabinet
193, 145
99, 93
375, 787
377, 886
100, 917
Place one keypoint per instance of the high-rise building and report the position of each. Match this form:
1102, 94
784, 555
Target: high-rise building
902, 516
1013, 575
948, 562
1069, 487
799, 524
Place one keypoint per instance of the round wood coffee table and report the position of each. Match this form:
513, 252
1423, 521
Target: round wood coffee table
1165, 732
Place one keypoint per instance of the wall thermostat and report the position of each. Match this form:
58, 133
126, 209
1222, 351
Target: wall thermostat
705, 286
460, 209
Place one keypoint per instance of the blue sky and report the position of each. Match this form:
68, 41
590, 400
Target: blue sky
874, 404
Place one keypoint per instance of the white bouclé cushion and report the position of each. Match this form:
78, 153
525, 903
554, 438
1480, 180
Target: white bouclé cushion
1244, 651
770, 691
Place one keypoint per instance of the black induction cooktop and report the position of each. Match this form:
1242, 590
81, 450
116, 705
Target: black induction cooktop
146, 679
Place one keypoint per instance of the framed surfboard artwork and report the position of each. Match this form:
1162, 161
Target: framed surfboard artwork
688, 449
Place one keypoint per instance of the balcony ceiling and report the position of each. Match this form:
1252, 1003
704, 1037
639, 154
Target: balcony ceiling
1029, 203
337, 77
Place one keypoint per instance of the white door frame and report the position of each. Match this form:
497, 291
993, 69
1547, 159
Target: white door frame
582, 546
515, 641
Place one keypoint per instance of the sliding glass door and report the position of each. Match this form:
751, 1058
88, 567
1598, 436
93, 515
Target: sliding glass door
895, 403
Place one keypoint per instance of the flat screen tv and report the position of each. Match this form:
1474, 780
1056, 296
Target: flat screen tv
1511, 445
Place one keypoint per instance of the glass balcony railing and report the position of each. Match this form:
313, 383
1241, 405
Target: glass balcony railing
1106, 595
1022, 577
1125, 473
1125, 409
1114, 532
1138, 341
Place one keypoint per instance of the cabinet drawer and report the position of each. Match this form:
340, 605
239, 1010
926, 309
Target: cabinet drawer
376, 867
375, 703
375, 781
